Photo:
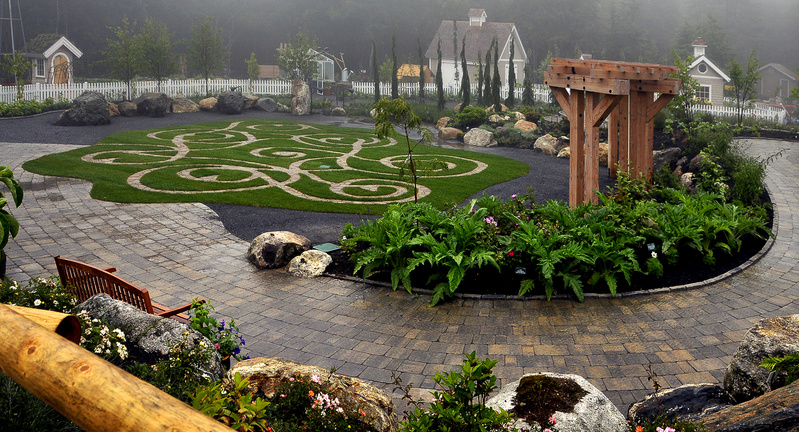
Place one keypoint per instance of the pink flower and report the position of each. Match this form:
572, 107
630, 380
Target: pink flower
553, 421
510, 254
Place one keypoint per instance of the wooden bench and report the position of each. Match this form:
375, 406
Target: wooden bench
84, 281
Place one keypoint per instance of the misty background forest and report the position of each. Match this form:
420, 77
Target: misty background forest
624, 30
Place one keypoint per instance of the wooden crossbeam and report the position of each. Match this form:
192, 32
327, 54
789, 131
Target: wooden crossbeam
657, 105
666, 86
616, 65
596, 85
608, 74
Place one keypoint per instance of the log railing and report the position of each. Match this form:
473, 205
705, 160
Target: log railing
94, 394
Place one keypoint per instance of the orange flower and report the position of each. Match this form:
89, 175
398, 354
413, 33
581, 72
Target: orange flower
639, 429
310, 393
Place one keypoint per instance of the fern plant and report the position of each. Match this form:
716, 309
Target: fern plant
788, 364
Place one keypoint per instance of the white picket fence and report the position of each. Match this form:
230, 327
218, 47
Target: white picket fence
116, 90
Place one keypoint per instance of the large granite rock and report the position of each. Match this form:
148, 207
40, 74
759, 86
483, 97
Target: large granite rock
208, 104
88, 109
777, 410
300, 99
148, 337
113, 109
184, 105
450, 133
276, 249
266, 374
230, 102
443, 122
338, 112
593, 412
127, 109
525, 126
771, 337
309, 264
479, 138
547, 144
249, 100
266, 104
153, 104
665, 157
690, 402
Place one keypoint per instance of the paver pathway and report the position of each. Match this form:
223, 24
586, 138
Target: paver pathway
181, 251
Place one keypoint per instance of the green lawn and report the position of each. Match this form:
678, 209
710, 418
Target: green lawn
273, 163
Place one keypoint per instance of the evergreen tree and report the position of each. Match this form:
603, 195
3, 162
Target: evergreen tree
487, 79
496, 83
527, 95
455, 49
421, 71
465, 84
440, 80
480, 78
375, 71
394, 68
511, 99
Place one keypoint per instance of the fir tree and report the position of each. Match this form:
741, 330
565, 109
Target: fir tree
480, 78
496, 83
394, 67
511, 99
440, 80
465, 84
375, 71
487, 80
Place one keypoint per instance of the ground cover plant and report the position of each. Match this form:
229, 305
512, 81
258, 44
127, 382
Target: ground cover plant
277, 164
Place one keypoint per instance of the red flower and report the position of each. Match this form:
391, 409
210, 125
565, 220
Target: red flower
510, 254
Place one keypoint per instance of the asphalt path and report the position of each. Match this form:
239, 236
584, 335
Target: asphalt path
548, 176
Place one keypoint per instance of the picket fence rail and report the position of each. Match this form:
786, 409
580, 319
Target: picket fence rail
117, 90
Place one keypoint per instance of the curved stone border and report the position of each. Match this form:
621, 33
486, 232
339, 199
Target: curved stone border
465, 296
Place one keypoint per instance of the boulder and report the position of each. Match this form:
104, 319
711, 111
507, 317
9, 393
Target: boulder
458, 108
230, 102
593, 412
442, 122
281, 108
275, 249
309, 264
450, 133
689, 402
153, 104
300, 99
777, 410
491, 109
525, 126
266, 104
249, 100
479, 138
771, 337
496, 118
686, 180
113, 109
695, 163
90, 108
665, 157
184, 105
565, 152
128, 109
148, 337
208, 104
266, 374
603, 153
338, 112
547, 144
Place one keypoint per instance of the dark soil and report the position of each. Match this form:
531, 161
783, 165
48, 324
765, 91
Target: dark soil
538, 397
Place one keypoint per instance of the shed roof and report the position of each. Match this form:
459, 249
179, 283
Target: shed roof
782, 69
65, 43
478, 39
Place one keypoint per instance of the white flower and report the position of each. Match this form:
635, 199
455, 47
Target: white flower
37, 302
98, 350
654, 254
55, 302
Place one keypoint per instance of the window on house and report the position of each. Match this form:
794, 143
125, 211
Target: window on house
703, 94
40, 68
702, 68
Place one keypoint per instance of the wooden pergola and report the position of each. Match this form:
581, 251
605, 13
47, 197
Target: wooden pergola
631, 94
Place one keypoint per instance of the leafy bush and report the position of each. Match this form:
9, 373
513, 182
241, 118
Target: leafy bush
461, 404
39, 293
21, 411
30, 107
99, 338
227, 340
470, 117
530, 113
236, 407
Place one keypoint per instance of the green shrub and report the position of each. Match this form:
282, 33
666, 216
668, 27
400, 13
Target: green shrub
21, 411
39, 293
30, 107
236, 407
530, 113
470, 117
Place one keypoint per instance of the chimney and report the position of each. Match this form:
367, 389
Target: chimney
699, 47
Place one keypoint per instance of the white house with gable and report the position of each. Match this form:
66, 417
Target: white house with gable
711, 79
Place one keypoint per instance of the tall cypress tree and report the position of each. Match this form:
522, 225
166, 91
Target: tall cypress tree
479, 78
527, 94
455, 49
511, 99
421, 71
440, 79
394, 67
375, 71
465, 84
496, 82
487, 78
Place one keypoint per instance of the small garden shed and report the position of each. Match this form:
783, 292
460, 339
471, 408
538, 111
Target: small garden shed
777, 80
710, 77
52, 58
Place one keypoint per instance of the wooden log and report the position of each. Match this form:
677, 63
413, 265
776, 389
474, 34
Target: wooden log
62, 324
94, 394
579, 82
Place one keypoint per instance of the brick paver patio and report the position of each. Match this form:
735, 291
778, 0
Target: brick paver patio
181, 251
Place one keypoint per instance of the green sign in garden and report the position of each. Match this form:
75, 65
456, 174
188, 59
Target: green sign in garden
274, 163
